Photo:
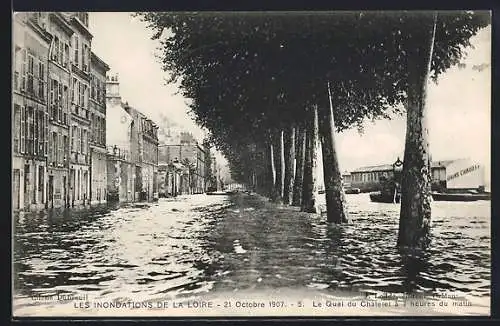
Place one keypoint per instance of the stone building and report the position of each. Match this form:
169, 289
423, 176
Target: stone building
144, 149
97, 141
193, 157
59, 80
51, 111
30, 130
120, 161
79, 165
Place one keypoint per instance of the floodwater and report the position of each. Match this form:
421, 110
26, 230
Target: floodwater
199, 244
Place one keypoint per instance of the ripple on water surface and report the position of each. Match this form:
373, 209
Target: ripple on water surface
200, 243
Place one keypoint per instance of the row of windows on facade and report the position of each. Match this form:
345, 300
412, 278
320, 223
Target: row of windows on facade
31, 134
30, 131
369, 176
61, 47
81, 53
31, 79
29, 75
98, 87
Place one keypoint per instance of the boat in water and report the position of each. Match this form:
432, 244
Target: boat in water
218, 193
440, 196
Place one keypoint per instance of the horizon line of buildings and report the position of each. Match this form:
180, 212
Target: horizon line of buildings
452, 175
68, 145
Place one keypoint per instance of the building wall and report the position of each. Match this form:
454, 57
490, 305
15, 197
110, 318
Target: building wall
58, 107
80, 114
51, 110
369, 181
30, 114
97, 139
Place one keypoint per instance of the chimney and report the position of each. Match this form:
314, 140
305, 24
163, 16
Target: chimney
113, 90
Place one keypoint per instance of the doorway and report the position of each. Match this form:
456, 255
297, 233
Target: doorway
51, 190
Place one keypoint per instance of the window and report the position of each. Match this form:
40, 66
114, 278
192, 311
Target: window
23, 129
66, 55
17, 127
73, 139
59, 102
52, 100
85, 97
64, 103
29, 134
81, 95
79, 140
60, 149
45, 133
83, 141
36, 132
76, 45
24, 57
84, 57
30, 74
53, 148
73, 93
55, 50
92, 87
65, 148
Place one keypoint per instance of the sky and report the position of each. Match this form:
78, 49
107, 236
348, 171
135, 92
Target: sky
459, 104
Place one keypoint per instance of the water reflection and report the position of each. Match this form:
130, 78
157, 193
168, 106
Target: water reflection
201, 244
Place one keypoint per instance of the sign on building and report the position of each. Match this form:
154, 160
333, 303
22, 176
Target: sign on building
465, 174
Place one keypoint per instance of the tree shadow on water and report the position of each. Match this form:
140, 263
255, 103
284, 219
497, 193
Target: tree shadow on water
413, 265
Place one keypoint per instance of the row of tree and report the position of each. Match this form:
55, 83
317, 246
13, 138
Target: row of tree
272, 88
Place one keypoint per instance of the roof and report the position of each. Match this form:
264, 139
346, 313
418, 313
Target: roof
374, 168
388, 167
95, 59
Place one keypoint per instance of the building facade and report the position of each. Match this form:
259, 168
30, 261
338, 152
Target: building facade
144, 149
97, 140
31, 43
193, 157
59, 80
79, 158
120, 161
135, 137
51, 111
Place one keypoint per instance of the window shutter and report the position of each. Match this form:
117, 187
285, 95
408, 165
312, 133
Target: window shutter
23, 69
46, 133
79, 130
23, 129
52, 99
59, 148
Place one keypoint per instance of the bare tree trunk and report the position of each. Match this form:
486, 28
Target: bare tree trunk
289, 165
334, 191
279, 163
415, 214
274, 191
299, 171
310, 187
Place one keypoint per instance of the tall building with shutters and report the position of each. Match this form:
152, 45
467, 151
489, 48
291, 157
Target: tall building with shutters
59, 81
58, 112
30, 128
79, 154
98, 151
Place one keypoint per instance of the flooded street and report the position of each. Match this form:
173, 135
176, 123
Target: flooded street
199, 244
